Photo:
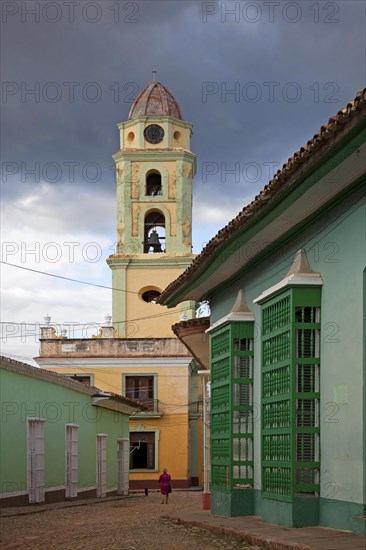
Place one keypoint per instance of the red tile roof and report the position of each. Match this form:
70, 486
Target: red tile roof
155, 100
284, 177
7, 363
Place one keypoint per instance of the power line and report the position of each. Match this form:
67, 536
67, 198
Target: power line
331, 226
67, 278
137, 293
91, 324
95, 285
70, 364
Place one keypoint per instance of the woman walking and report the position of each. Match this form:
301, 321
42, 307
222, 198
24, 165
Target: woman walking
165, 486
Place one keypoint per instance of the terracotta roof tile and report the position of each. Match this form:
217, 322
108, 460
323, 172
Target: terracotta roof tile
280, 181
155, 100
49, 376
7, 363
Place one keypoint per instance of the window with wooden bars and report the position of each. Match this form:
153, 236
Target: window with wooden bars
307, 399
101, 465
140, 388
307, 378
35, 459
291, 393
71, 460
232, 405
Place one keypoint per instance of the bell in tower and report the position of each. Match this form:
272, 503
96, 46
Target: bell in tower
154, 171
153, 242
145, 361
152, 237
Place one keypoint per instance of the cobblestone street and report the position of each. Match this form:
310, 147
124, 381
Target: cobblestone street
133, 523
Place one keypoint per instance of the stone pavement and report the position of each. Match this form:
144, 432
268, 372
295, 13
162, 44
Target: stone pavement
12, 511
139, 522
127, 523
274, 537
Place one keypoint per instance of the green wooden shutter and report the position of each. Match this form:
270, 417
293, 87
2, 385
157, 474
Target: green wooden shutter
290, 394
220, 407
232, 406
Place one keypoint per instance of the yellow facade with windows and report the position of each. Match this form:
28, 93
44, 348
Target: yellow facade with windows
138, 355
172, 420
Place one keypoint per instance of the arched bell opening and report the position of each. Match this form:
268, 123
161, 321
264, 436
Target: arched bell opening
154, 232
153, 183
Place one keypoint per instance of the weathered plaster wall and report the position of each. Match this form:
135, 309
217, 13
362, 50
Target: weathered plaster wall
23, 396
335, 247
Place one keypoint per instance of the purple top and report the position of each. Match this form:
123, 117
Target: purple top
164, 482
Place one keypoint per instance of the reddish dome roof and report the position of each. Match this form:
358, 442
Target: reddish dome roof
155, 100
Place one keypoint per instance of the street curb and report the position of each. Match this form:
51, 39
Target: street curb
251, 538
12, 511
59, 505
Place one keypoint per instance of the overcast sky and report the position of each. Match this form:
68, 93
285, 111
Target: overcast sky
256, 79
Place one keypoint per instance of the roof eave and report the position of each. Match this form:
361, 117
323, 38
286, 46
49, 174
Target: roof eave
184, 288
116, 404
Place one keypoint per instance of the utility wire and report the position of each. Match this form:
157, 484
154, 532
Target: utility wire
96, 375
91, 324
335, 224
67, 278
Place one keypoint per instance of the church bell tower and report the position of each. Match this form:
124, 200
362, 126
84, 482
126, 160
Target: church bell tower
154, 171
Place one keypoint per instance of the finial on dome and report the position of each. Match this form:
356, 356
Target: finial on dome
154, 71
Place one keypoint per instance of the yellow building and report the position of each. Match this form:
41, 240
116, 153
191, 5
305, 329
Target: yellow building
154, 171
137, 355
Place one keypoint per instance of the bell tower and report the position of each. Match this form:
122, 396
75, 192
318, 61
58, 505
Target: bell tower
154, 171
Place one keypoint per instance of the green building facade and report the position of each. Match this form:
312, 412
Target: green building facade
294, 259
59, 438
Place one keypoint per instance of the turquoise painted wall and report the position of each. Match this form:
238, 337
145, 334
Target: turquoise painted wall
335, 246
23, 396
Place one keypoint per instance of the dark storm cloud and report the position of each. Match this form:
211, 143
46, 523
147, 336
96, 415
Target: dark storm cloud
85, 77
255, 90
257, 79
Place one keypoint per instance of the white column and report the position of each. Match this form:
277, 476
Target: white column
206, 438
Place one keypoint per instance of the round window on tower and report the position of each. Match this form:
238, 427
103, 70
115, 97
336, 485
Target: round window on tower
150, 294
177, 137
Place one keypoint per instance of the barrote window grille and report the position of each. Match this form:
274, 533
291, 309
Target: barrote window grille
291, 394
232, 406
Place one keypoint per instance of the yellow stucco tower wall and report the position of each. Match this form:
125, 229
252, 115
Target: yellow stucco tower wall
154, 171
138, 355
